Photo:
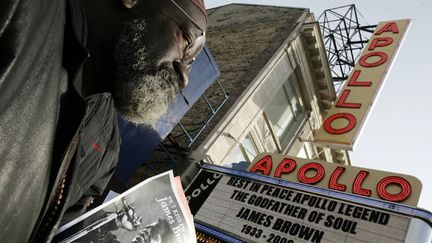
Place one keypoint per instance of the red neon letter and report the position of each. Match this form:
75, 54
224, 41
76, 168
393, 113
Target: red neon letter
380, 42
358, 181
352, 121
283, 168
353, 80
333, 184
342, 101
320, 172
398, 197
382, 59
389, 27
264, 165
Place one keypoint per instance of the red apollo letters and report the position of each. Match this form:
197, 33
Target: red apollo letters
288, 165
370, 59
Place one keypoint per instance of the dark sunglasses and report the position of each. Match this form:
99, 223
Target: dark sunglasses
194, 48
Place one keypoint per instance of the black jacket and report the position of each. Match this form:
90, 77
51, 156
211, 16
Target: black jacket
56, 148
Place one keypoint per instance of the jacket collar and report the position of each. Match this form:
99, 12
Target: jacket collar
75, 39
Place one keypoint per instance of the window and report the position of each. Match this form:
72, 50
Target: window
291, 91
265, 136
245, 151
284, 108
280, 113
302, 153
306, 151
310, 150
249, 148
235, 156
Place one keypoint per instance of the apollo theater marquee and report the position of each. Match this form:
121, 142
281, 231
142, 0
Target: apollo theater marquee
298, 201
284, 199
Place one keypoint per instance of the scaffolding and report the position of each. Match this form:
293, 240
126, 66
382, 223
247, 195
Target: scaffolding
344, 38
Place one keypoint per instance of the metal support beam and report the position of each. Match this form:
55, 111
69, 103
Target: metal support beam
344, 38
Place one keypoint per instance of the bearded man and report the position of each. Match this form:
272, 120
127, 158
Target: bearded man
64, 66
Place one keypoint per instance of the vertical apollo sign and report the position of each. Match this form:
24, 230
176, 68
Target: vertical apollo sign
344, 121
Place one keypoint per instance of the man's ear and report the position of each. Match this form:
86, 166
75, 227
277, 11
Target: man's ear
129, 3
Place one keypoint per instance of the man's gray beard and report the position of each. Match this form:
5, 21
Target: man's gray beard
141, 93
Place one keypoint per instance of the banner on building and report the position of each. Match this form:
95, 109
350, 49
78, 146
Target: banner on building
255, 208
345, 119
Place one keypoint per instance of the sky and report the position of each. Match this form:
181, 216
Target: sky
398, 133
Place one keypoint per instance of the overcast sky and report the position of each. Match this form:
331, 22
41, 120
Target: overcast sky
398, 134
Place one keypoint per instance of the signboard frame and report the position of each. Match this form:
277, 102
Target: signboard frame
395, 208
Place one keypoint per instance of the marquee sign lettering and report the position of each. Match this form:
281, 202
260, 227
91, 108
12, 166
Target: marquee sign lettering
238, 206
